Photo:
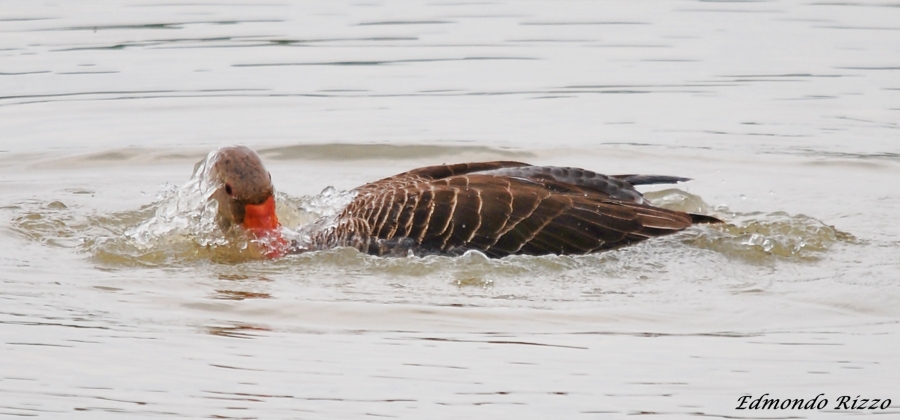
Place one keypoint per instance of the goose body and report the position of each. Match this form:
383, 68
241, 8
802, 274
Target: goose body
499, 208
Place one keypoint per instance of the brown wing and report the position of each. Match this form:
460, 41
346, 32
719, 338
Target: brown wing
451, 209
445, 171
560, 179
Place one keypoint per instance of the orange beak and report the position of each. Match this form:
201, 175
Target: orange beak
260, 219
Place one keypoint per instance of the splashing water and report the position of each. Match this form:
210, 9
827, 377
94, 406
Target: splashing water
187, 211
761, 236
183, 227
318, 213
756, 236
180, 228
328, 203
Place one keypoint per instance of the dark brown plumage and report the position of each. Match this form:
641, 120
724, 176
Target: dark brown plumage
501, 208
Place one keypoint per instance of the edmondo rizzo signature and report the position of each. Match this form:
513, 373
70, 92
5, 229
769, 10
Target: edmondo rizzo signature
747, 402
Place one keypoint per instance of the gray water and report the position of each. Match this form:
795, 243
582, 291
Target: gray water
784, 113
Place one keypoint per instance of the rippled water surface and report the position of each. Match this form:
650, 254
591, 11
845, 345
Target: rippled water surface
119, 300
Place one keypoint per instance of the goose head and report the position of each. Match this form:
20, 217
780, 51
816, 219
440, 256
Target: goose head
245, 194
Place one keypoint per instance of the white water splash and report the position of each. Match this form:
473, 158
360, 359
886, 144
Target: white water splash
186, 212
328, 203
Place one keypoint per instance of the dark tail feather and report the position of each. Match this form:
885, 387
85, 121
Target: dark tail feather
650, 179
702, 218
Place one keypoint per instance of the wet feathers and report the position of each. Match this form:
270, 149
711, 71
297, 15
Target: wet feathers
501, 208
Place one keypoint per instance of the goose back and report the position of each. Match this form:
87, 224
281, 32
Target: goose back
500, 208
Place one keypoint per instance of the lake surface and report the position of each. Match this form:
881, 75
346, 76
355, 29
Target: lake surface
785, 114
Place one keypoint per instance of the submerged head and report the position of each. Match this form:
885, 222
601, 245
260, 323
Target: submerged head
244, 192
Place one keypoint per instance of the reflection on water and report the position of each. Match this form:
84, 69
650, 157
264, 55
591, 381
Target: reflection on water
120, 299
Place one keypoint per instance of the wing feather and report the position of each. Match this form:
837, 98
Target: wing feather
503, 208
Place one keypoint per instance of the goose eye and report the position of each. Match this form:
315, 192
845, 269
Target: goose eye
228, 189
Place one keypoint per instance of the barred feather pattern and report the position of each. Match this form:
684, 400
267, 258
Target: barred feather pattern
500, 209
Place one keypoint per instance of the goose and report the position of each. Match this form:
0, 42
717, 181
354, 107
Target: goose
499, 208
